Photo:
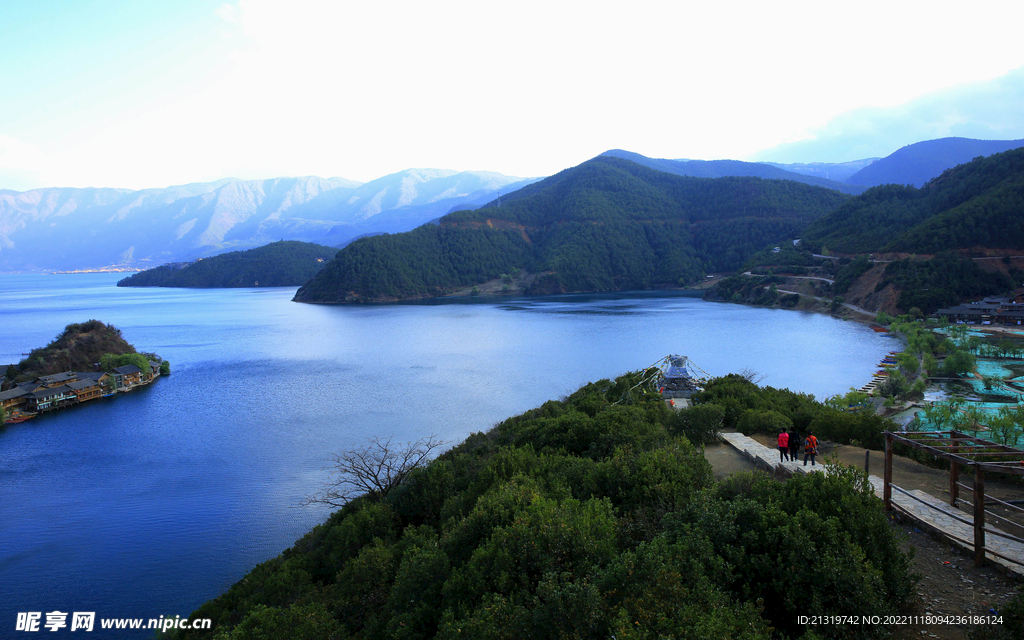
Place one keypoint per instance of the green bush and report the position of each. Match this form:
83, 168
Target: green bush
586, 519
699, 424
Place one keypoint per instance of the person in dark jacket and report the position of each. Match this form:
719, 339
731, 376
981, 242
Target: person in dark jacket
794, 445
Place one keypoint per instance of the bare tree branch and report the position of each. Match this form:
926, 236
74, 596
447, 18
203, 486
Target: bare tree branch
374, 469
752, 376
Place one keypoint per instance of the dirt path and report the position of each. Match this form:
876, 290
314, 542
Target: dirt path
849, 306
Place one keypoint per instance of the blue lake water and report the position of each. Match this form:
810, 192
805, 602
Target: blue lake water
152, 502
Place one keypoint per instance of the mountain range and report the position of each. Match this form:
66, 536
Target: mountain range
607, 224
914, 164
973, 205
78, 229
917, 163
66, 228
723, 168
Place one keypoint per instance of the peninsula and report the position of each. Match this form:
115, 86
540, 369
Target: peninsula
287, 263
86, 361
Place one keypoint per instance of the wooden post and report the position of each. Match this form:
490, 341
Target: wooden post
979, 516
887, 481
867, 462
954, 470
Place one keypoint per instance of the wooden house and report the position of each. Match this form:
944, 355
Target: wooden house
126, 377
50, 398
86, 389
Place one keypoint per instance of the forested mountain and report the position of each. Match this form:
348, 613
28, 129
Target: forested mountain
287, 263
966, 223
977, 204
725, 168
917, 163
607, 224
65, 229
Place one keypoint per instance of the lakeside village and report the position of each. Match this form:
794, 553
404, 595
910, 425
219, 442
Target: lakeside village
962, 369
60, 390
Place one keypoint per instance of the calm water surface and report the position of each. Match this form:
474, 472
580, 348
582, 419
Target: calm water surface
154, 501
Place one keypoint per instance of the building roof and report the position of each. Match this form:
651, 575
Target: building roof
53, 391
78, 385
55, 378
16, 392
127, 369
963, 310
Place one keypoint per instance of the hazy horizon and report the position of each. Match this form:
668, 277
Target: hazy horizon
132, 96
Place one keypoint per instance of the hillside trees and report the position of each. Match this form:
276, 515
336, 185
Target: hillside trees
942, 281
278, 264
972, 205
605, 225
584, 518
111, 361
77, 348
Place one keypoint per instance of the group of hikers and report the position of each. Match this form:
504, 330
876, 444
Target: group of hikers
789, 447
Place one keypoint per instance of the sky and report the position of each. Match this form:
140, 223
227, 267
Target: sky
145, 94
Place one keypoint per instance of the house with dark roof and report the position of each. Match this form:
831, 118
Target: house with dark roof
991, 310
126, 377
13, 399
57, 379
59, 390
50, 398
85, 389
102, 378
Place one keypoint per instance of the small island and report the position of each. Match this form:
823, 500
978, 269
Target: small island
86, 361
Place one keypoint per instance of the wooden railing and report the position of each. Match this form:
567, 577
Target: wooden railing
973, 453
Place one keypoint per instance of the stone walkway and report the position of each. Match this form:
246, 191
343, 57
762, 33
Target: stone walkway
767, 458
937, 516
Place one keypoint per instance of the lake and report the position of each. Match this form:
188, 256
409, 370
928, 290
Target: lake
154, 501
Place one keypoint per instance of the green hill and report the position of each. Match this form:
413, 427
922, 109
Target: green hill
77, 348
591, 518
973, 205
287, 263
607, 224
937, 231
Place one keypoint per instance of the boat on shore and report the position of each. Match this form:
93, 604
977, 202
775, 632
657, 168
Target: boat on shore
20, 418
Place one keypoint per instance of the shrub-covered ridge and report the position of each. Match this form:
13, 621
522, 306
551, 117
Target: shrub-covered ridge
584, 518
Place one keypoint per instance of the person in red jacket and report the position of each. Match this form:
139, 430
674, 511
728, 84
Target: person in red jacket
784, 446
810, 448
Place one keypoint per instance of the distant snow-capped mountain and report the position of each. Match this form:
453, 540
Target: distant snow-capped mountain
70, 228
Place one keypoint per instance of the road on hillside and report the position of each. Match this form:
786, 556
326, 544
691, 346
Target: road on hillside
845, 304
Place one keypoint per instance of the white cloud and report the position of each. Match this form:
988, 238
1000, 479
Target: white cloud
15, 154
361, 89
988, 110
229, 13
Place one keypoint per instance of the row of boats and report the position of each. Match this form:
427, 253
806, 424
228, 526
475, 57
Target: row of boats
887, 364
